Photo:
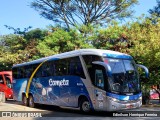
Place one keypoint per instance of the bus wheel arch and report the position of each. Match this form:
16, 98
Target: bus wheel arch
84, 104
24, 99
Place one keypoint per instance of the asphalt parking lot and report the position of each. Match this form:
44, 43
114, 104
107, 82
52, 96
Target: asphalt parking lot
46, 112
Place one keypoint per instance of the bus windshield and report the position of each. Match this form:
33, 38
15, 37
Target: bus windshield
124, 76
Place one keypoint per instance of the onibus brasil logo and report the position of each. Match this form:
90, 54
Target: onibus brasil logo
58, 82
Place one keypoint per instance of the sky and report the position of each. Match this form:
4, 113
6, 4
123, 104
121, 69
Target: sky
19, 14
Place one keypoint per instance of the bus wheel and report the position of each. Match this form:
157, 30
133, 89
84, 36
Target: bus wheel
85, 106
31, 101
25, 100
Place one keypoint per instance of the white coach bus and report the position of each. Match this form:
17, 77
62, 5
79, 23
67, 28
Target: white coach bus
91, 79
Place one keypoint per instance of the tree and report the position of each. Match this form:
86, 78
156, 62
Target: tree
75, 12
18, 31
156, 9
114, 37
11, 47
13, 43
155, 12
17, 48
35, 34
61, 41
140, 39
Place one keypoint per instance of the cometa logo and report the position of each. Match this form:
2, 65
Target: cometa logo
58, 82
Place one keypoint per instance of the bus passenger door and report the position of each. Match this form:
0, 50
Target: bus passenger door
2, 84
99, 79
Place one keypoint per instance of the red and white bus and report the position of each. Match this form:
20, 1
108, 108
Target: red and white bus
6, 84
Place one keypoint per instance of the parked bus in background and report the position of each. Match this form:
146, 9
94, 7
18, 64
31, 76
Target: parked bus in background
91, 79
6, 84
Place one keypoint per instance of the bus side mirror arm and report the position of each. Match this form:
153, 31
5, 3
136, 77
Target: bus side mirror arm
107, 67
145, 69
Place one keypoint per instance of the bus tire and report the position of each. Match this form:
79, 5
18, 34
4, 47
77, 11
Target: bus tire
85, 106
25, 100
31, 101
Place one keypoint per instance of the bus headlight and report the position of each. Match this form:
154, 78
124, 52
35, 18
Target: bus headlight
140, 98
140, 101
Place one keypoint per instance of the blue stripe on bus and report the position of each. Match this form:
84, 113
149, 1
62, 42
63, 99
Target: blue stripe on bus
124, 97
46, 91
123, 56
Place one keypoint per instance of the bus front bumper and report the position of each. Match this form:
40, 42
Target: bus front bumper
115, 105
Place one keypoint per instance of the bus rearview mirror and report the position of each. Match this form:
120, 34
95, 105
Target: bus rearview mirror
145, 69
107, 67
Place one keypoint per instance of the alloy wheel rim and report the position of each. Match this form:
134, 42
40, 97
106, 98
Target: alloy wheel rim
25, 100
86, 106
31, 101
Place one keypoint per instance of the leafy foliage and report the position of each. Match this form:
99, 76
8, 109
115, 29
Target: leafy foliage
61, 41
37, 34
141, 39
18, 48
84, 12
156, 10
18, 30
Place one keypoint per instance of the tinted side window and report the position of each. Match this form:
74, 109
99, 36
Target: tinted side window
21, 72
15, 73
24, 71
88, 59
47, 69
61, 67
28, 71
69, 66
75, 67
1, 79
8, 81
38, 72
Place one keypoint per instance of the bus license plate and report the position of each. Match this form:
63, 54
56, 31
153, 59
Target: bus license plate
129, 106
